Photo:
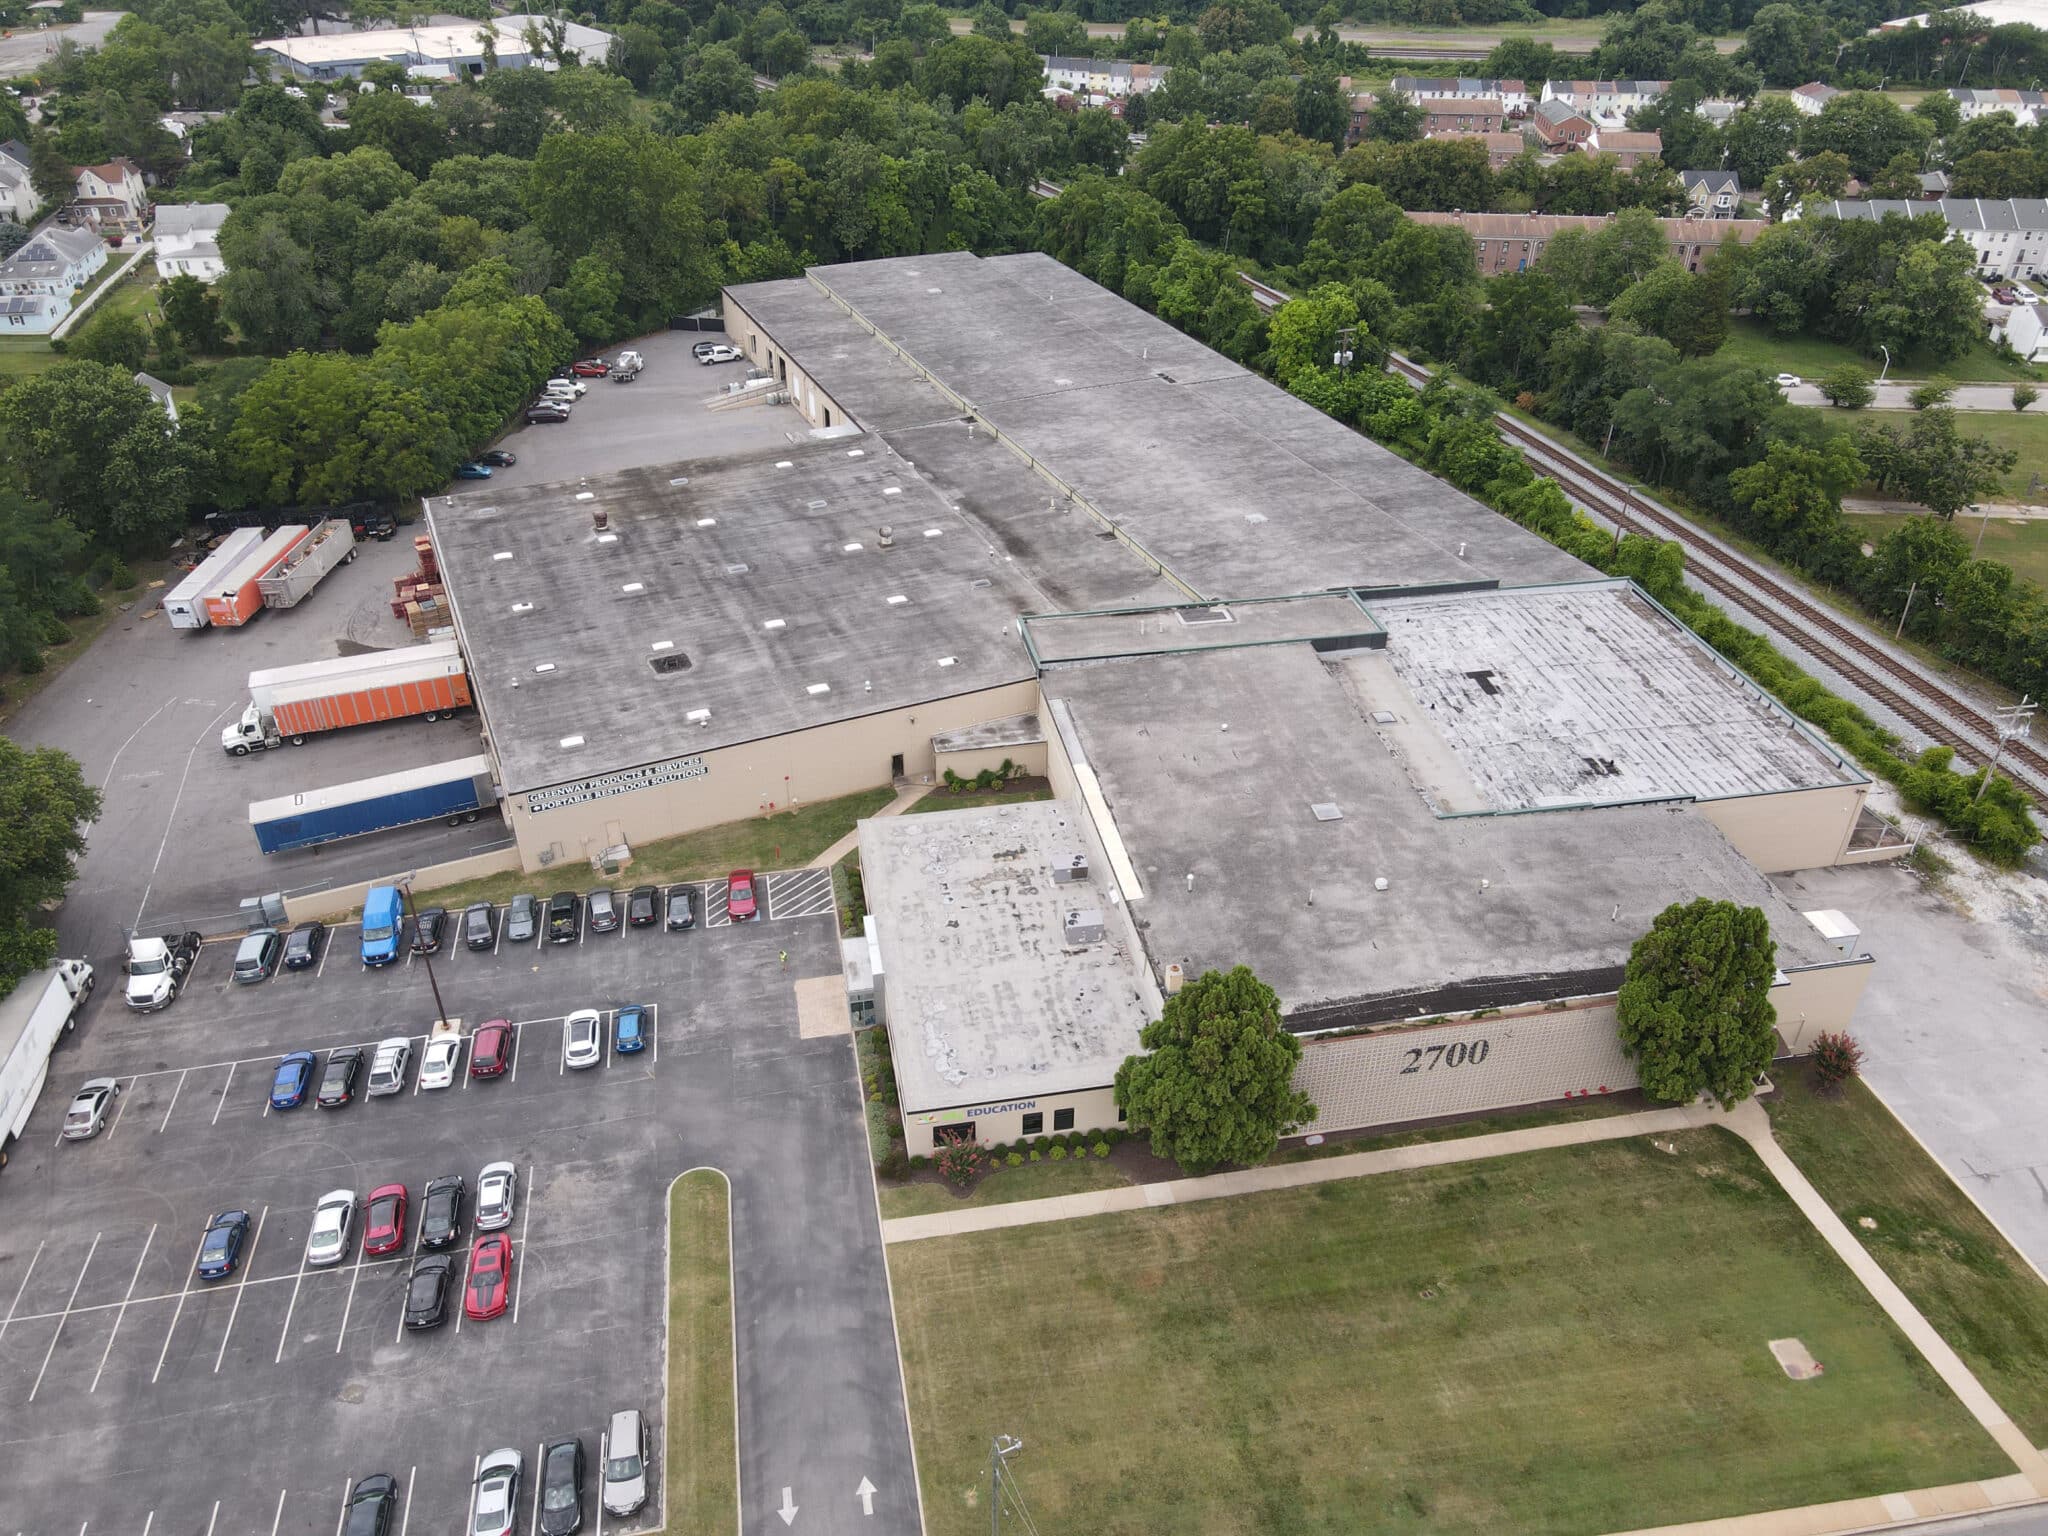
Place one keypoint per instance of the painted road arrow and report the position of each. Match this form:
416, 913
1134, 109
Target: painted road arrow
788, 1510
866, 1494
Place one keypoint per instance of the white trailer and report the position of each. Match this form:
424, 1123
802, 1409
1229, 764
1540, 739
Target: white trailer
332, 542
185, 606
42, 1006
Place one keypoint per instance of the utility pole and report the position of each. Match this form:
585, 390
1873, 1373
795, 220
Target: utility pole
1910, 591
440, 1012
2013, 721
1000, 1450
1983, 522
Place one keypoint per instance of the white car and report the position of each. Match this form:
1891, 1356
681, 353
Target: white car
721, 354
88, 1111
583, 1038
497, 1189
437, 1063
387, 1067
574, 387
494, 1504
1789, 381
334, 1220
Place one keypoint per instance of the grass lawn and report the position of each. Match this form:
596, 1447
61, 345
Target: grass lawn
2026, 435
134, 295
782, 841
1563, 1341
2021, 545
1751, 342
1979, 1295
971, 800
702, 1474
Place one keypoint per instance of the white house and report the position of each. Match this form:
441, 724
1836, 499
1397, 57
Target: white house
1812, 96
2025, 106
2009, 237
19, 199
1513, 95
1605, 103
113, 194
37, 281
161, 393
188, 240
1108, 79
2026, 332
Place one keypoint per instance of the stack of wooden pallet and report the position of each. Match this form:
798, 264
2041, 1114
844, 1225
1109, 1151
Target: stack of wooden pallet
419, 597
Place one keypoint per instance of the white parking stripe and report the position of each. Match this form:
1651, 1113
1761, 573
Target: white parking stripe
212, 1517
539, 1451
168, 1332
525, 1222
279, 1516
498, 938
342, 1513
59, 1331
6, 1323
405, 1519
148, 1521
118, 1316
326, 949
121, 1106
512, 1044
603, 1443
242, 1284
289, 1308
172, 1105
224, 1087
654, 1028
355, 1273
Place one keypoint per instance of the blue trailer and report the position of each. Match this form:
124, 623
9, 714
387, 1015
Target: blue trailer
454, 792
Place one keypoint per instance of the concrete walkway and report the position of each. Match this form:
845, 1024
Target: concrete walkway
907, 795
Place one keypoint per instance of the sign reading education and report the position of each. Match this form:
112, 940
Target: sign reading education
649, 776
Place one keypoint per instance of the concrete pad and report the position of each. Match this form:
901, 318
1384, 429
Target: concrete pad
821, 1008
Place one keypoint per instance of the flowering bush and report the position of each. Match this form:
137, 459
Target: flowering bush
958, 1162
1836, 1058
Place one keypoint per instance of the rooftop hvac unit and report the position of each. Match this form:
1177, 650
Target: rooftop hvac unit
1069, 868
1176, 978
1083, 925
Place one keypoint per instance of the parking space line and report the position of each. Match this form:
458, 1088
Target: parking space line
326, 949
147, 1521
179, 1087
603, 1450
405, 1519
224, 1087
278, 1518
419, 1231
539, 1452
515, 1032
241, 1285
342, 1513
498, 938
168, 1332
212, 1517
654, 1027
58, 1333
289, 1308
118, 1316
121, 1105
355, 1273
525, 1225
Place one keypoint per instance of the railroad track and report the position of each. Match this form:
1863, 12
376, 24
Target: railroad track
1046, 189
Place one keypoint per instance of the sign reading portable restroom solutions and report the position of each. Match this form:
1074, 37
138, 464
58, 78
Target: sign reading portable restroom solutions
627, 780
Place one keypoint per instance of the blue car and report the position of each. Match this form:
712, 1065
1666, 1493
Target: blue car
383, 914
221, 1249
629, 1031
472, 471
294, 1073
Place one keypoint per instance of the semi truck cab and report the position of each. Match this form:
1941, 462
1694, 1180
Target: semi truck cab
254, 732
157, 968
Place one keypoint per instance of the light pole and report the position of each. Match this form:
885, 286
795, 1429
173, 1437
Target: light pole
1887, 351
440, 1012
1000, 1450
2013, 720
1906, 612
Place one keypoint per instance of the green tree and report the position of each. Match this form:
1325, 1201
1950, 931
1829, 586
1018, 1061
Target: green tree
1695, 1009
45, 804
1934, 463
192, 310
588, 300
94, 444
1394, 119
118, 340
1936, 391
1304, 331
1050, 30
1760, 138
1848, 387
716, 80
1867, 129
1792, 497
1216, 1084
2024, 395
631, 197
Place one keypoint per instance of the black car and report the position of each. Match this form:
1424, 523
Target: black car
302, 949
682, 907
441, 1211
537, 414
426, 1293
522, 916
643, 907
374, 523
565, 917
480, 926
498, 458
338, 1082
371, 1504
561, 1488
426, 931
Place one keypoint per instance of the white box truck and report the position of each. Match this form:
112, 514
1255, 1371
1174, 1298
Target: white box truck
185, 606
42, 1006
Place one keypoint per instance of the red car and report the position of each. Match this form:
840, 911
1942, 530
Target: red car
490, 1049
739, 895
384, 1220
490, 1276
591, 368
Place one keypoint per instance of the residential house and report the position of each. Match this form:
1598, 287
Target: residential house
2026, 331
1106, 79
2009, 237
1513, 95
1513, 242
161, 393
1454, 114
19, 199
187, 239
1631, 149
1810, 98
1709, 194
113, 196
1502, 149
2025, 106
1607, 102
1560, 126
1933, 185
1361, 114
37, 281
1719, 113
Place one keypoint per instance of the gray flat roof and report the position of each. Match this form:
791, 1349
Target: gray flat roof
1211, 762
1582, 695
1235, 487
766, 574
1335, 619
986, 1000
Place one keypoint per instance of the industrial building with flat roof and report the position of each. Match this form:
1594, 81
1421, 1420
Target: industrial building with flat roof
440, 51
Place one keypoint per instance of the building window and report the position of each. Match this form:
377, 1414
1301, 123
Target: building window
953, 1135
1034, 1123
1063, 1119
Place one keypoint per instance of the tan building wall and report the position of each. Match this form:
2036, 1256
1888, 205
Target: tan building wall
1027, 757
755, 777
811, 402
1823, 997
1003, 1121
1799, 829
345, 900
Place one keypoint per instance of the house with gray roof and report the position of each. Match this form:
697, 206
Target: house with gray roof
1712, 194
37, 281
2008, 236
188, 240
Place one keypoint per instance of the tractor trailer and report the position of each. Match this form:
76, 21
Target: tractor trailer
185, 606
331, 543
237, 595
292, 703
455, 792
42, 1006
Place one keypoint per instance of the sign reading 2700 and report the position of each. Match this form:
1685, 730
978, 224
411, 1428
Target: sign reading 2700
624, 782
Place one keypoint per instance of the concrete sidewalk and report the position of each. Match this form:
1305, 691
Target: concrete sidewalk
906, 796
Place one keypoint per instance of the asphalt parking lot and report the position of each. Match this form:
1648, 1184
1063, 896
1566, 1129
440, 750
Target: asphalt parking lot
249, 1405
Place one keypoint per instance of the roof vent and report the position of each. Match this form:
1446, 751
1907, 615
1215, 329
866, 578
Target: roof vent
892, 490
856, 453
607, 538
849, 549
503, 554
586, 495
948, 661
1383, 717
522, 607
775, 624
740, 569
886, 537
979, 582
663, 645
933, 533
1069, 868
1323, 810
814, 689
680, 480
897, 599
707, 522
784, 464
698, 716
600, 519
669, 661
815, 504
634, 586
1082, 925
544, 666
1215, 615
571, 741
